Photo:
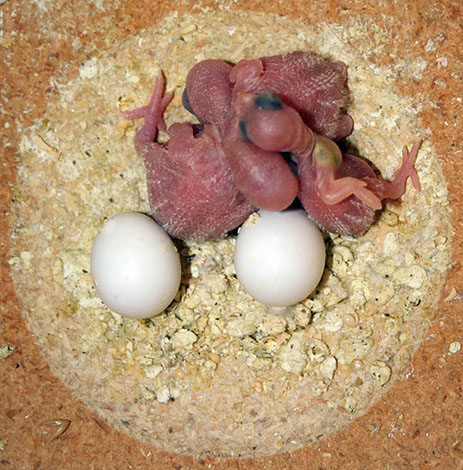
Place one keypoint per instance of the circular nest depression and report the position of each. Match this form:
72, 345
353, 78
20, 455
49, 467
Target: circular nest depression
217, 373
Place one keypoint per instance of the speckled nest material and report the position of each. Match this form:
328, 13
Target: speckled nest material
217, 373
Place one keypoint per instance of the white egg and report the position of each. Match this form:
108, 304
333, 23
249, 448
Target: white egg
135, 266
279, 257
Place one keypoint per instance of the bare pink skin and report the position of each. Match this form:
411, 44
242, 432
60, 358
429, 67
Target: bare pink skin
341, 193
208, 92
191, 190
263, 176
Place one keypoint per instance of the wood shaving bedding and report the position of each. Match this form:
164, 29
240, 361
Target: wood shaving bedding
218, 373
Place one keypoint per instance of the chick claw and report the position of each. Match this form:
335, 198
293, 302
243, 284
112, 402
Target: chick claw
407, 168
153, 111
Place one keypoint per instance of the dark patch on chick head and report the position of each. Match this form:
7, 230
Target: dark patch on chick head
268, 101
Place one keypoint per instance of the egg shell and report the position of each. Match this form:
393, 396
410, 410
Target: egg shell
279, 257
135, 266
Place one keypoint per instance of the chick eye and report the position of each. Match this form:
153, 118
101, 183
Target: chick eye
186, 101
268, 101
243, 131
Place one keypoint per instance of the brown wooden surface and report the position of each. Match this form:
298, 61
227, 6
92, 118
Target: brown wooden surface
418, 424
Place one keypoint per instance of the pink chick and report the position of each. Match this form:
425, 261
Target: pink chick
341, 193
191, 190
315, 87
